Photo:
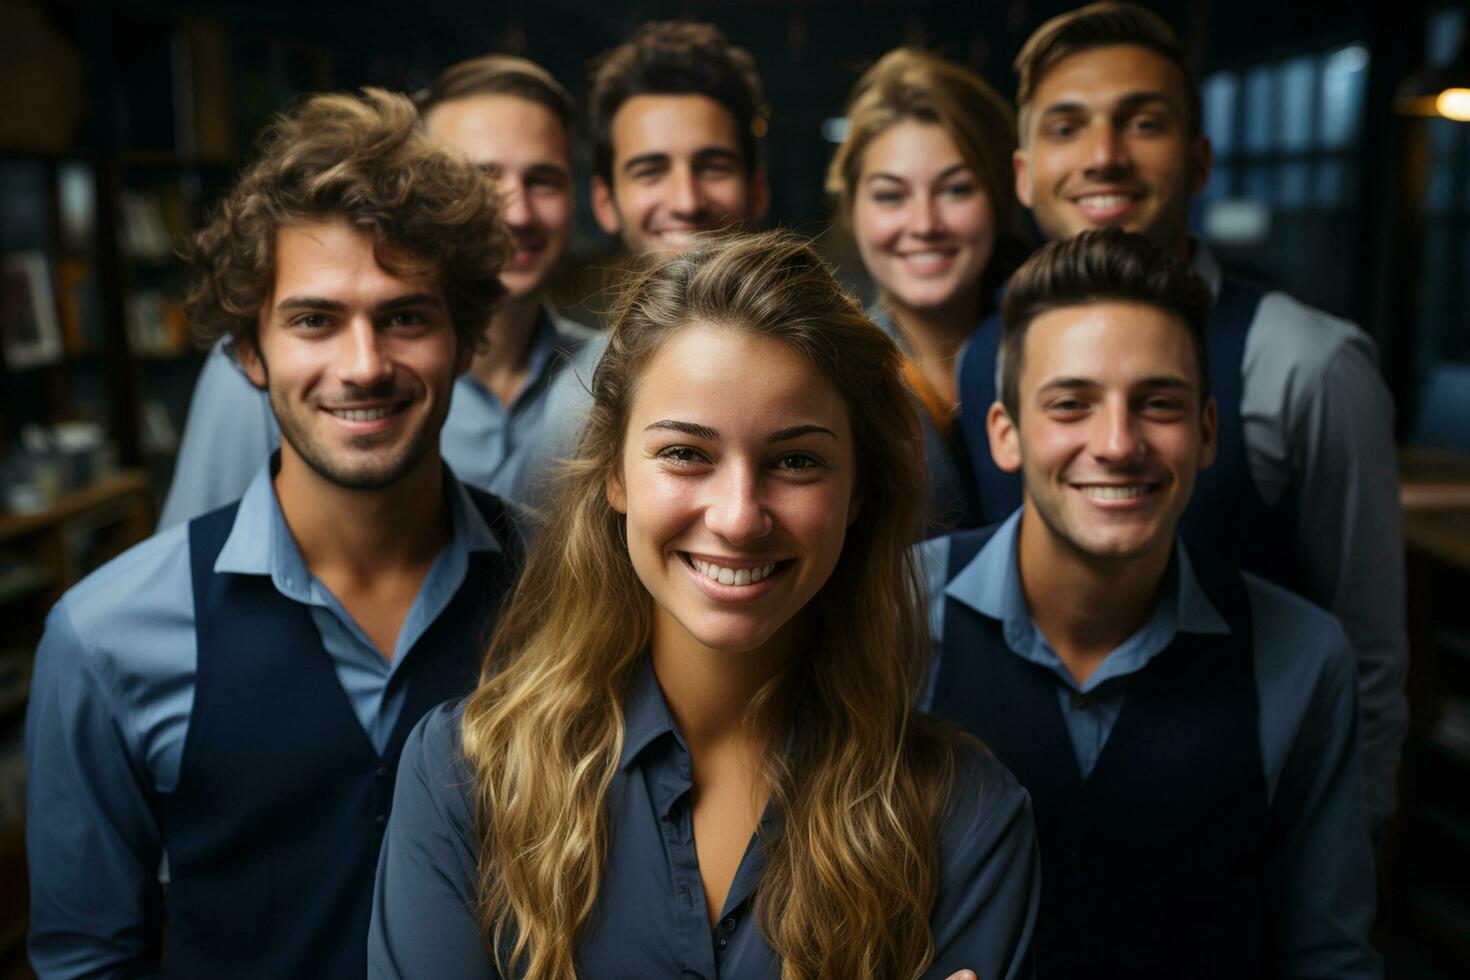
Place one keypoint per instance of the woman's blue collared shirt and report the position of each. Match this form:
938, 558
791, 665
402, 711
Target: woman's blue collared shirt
650, 918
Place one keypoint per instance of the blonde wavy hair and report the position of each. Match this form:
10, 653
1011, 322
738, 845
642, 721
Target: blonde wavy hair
859, 778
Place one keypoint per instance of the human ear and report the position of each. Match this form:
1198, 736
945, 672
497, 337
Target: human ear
604, 209
617, 494
760, 194
1005, 438
248, 357
1202, 156
1209, 426
1021, 162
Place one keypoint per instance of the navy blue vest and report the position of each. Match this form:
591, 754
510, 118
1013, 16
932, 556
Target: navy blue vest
1226, 518
1152, 866
274, 830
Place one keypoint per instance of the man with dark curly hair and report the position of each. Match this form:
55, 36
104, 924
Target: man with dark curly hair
217, 714
511, 117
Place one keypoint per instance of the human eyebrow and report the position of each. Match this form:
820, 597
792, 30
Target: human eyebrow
688, 428
310, 303
797, 431
645, 160
1134, 101
544, 171
409, 301
1063, 109
717, 154
1068, 384
1166, 381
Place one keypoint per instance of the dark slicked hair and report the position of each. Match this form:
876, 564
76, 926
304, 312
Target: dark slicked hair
499, 74
1103, 266
1100, 25
363, 159
677, 58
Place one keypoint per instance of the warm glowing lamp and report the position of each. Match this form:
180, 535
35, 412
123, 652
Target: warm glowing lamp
1454, 103
1440, 91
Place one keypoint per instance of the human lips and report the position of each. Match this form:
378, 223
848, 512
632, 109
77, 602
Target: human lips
928, 260
1106, 205
1118, 494
527, 253
734, 579
367, 417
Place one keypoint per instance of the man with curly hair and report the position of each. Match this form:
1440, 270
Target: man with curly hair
217, 714
510, 117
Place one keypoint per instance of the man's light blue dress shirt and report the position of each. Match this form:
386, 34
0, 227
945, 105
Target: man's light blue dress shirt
231, 428
110, 707
1321, 885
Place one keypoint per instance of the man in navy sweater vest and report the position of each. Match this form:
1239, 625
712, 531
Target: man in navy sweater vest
1188, 732
217, 714
1304, 489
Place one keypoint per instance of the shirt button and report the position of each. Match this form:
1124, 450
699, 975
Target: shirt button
728, 924
381, 772
722, 942
1079, 700
381, 819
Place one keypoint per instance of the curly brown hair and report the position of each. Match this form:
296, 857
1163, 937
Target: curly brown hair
363, 158
677, 58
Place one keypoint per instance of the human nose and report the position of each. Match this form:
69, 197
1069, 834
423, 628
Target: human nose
1106, 148
684, 197
517, 208
925, 220
736, 510
361, 359
1115, 434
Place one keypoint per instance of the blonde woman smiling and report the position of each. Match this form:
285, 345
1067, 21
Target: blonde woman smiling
693, 752
923, 179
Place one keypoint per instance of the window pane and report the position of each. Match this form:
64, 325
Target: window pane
1219, 95
1222, 182
1344, 75
1332, 185
1441, 36
1258, 184
1260, 105
1295, 82
1293, 184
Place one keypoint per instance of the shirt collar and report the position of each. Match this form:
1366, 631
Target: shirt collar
646, 714
260, 543
991, 585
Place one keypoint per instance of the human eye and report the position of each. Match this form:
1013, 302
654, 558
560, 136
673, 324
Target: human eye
681, 457
406, 320
1148, 123
886, 197
718, 167
311, 321
798, 462
1066, 407
959, 189
1060, 128
1163, 407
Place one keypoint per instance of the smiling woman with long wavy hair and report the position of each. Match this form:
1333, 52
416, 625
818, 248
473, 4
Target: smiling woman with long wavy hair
693, 750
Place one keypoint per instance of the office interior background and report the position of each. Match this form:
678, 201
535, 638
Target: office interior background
122, 122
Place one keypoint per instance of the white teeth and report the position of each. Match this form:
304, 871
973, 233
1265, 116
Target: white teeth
733, 576
1104, 201
927, 256
362, 414
1117, 493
